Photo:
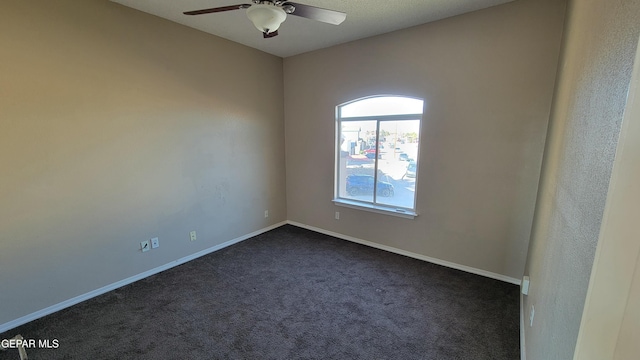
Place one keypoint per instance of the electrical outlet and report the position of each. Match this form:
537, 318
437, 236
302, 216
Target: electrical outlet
266, 213
145, 245
337, 215
531, 314
192, 235
155, 243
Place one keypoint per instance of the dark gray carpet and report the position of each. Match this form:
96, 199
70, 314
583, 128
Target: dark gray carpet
291, 293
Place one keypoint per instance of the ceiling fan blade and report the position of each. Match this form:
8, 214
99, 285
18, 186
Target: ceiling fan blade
316, 13
218, 9
270, 35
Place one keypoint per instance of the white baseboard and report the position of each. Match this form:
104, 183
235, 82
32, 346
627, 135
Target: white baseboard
91, 294
80, 298
411, 254
523, 353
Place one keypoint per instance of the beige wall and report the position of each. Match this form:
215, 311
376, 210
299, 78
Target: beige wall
117, 126
610, 326
487, 78
598, 52
627, 345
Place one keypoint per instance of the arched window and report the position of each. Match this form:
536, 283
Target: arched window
377, 146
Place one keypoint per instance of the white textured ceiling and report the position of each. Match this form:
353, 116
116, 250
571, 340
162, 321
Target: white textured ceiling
297, 35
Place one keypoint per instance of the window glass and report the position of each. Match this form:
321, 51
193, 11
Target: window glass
382, 105
377, 158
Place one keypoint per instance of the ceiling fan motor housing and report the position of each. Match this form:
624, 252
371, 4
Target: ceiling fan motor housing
266, 17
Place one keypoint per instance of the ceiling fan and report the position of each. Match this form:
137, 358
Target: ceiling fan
268, 15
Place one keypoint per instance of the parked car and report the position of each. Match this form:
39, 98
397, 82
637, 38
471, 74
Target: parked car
359, 161
411, 170
404, 157
363, 184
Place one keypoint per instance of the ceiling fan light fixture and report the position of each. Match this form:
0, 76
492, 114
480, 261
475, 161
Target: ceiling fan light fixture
266, 18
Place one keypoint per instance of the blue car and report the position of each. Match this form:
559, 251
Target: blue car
363, 184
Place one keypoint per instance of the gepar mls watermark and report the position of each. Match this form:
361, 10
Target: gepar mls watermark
22, 344
30, 343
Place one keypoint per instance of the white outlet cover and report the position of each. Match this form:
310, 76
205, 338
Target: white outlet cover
155, 243
145, 245
192, 235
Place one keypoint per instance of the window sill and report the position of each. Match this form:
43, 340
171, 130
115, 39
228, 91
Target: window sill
407, 214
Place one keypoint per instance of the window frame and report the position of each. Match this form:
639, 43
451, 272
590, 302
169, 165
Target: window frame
373, 205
